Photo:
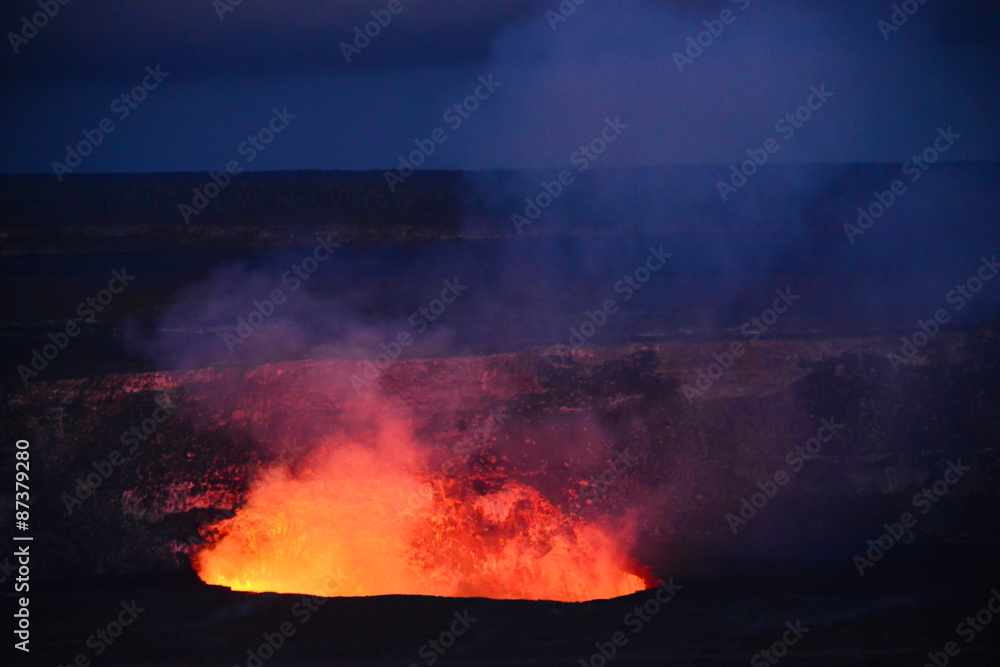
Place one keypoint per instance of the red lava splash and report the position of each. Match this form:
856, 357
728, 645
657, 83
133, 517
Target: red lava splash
346, 524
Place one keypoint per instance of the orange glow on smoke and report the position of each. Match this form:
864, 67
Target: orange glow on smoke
361, 521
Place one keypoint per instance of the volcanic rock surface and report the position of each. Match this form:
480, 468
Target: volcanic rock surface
562, 421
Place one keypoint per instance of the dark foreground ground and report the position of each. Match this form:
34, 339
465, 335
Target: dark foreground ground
725, 613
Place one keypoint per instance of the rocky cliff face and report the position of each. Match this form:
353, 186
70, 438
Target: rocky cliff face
127, 470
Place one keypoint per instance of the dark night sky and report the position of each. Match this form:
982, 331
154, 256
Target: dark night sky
607, 59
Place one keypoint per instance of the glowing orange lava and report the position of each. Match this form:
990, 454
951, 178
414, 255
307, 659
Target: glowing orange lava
362, 521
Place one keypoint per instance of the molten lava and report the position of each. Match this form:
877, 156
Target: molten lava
361, 521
